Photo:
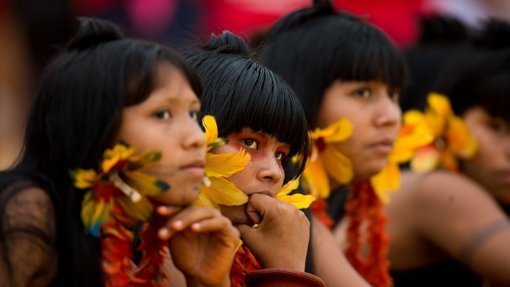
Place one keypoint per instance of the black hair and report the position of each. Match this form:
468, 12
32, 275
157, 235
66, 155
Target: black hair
482, 80
76, 116
242, 93
442, 39
479, 76
312, 47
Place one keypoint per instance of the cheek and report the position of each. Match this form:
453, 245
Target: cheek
243, 178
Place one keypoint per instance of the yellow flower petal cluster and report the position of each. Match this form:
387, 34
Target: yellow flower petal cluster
452, 139
218, 168
119, 182
326, 161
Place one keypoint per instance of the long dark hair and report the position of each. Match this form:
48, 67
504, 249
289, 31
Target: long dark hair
312, 47
242, 93
76, 116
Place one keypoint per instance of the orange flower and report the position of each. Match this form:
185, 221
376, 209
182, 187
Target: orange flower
452, 139
326, 161
412, 135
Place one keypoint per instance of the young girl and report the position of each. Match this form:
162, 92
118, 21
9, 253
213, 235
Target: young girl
257, 112
453, 228
343, 71
105, 90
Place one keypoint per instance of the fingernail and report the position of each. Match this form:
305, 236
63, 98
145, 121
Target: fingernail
163, 233
196, 226
162, 210
177, 225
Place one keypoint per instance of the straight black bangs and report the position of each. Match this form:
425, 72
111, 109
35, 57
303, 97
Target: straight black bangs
483, 82
322, 50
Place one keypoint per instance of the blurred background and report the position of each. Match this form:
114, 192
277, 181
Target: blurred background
34, 31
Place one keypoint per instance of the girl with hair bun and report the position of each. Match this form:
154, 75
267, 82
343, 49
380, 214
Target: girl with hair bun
258, 114
348, 76
112, 146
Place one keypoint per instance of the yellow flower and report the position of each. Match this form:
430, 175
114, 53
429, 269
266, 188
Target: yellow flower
218, 168
298, 200
112, 156
452, 139
326, 161
412, 135
119, 190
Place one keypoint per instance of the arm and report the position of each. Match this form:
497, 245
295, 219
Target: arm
329, 261
28, 226
462, 219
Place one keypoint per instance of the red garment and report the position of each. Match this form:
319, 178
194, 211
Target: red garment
282, 278
244, 262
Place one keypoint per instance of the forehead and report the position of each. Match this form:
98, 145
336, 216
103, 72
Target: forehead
172, 85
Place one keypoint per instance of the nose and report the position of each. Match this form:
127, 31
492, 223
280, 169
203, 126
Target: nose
194, 136
388, 113
270, 171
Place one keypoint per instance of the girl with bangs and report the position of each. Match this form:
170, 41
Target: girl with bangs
258, 113
348, 76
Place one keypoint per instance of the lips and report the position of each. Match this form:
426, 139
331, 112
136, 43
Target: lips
195, 168
383, 146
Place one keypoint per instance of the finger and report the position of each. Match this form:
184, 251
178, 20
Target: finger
249, 234
219, 225
259, 205
167, 210
190, 215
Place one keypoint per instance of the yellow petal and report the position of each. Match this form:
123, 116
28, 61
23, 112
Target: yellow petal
439, 104
298, 200
336, 132
211, 128
425, 159
289, 186
448, 161
202, 200
84, 178
226, 164
223, 192
114, 155
411, 137
316, 179
386, 182
460, 140
337, 165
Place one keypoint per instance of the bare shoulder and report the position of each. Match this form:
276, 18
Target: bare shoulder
445, 189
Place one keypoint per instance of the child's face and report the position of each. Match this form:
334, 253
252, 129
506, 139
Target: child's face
263, 174
491, 164
373, 110
167, 122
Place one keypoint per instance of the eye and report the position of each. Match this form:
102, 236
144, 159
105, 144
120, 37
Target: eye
499, 126
394, 95
163, 114
194, 115
250, 143
280, 155
364, 93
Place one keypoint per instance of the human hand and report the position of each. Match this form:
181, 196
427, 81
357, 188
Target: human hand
281, 238
202, 244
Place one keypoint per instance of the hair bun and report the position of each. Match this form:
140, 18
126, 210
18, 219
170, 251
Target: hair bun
92, 32
227, 42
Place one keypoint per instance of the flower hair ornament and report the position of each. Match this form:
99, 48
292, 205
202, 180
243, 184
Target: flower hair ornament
114, 202
218, 190
451, 137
